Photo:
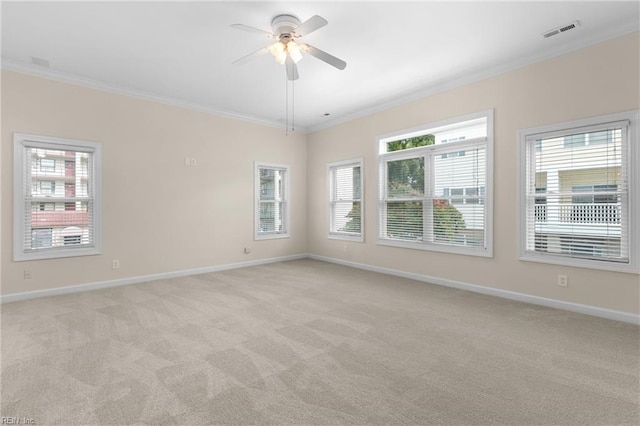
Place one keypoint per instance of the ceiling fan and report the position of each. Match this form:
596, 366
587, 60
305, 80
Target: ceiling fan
287, 30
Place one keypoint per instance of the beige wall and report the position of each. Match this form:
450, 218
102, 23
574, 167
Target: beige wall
601, 79
159, 215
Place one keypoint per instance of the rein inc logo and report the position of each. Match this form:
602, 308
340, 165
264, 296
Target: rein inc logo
17, 421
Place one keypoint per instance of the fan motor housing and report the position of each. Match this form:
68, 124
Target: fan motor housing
284, 24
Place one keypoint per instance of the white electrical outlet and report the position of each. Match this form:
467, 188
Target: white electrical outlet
27, 274
115, 264
247, 250
563, 281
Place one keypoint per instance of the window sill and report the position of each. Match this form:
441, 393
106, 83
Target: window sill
56, 254
601, 265
359, 238
270, 236
465, 251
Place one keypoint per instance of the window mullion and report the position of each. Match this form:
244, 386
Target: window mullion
427, 204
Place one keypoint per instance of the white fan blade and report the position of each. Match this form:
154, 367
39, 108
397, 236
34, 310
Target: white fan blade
250, 56
292, 69
254, 30
309, 26
324, 56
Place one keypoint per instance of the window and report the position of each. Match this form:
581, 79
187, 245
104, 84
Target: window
585, 139
72, 239
41, 237
435, 186
272, 201
47, 165
43, 212
345, 200
47, 187
577, 192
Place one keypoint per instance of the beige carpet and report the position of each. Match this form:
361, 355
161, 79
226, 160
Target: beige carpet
308, 342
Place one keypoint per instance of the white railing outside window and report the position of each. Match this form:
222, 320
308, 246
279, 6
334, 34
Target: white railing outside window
578, 201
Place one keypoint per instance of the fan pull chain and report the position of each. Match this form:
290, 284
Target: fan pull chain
293, 105
286, 105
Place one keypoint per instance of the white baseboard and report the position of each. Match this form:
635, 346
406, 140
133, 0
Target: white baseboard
521, 297
505, 294
15, 297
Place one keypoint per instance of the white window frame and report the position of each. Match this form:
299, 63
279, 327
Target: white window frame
435, 150
23, 141
331, 170
631, 157
286, 223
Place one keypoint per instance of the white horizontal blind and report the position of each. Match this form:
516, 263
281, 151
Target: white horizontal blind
404, 199
458, 203
437, 198
435, 187
59, 197
577, 194
346, 199
271, 196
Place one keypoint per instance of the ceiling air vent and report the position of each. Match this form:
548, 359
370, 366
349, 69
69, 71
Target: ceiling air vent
561, 29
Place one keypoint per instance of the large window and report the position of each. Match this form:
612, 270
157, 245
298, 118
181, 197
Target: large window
57, 197
272, 201
577, 195
345, 200
435, 186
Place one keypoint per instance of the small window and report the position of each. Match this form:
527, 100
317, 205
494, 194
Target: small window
43, 211
345, 200
272, 201
576, 193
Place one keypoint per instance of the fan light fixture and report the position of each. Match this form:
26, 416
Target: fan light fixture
294, 50
286, 45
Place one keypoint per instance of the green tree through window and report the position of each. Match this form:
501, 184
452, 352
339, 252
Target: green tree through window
408, 143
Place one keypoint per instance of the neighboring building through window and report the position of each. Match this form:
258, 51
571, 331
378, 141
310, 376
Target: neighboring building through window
57, 198
345, 200
47, 165
435, 186
272, 201
576, 193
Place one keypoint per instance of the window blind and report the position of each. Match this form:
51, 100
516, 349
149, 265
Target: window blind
345, 202
404, 199
271, 200
437, 198
577, 193
59, 197
458, 203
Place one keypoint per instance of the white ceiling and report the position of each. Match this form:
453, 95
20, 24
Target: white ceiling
181, 52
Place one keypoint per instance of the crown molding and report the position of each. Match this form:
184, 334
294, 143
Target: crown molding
463, 80
64, 77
